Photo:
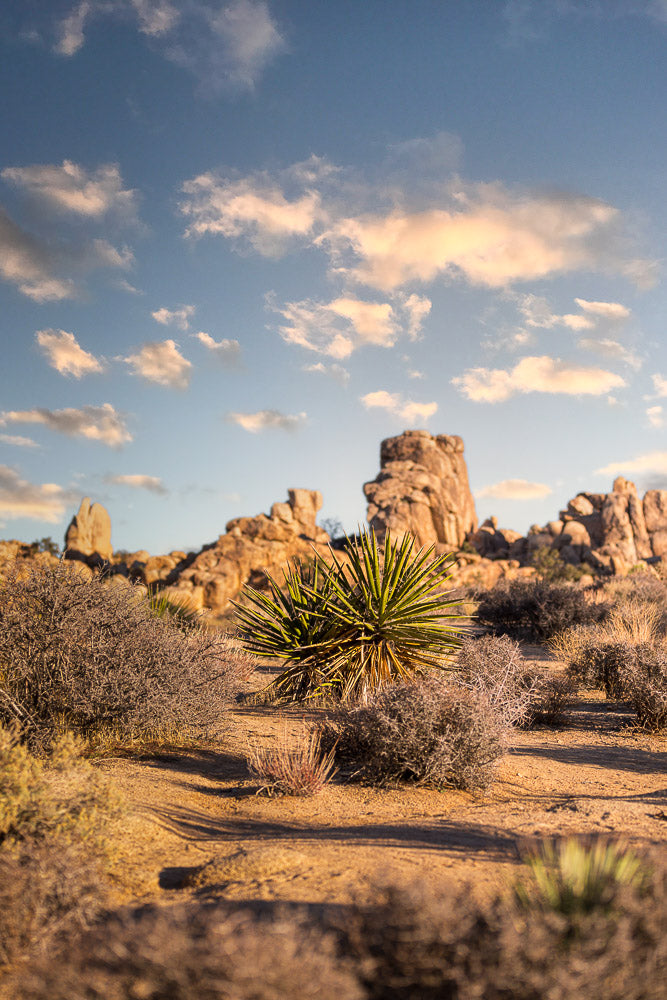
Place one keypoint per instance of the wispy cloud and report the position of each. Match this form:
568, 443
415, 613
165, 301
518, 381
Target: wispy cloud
36, 265
174, 317
339, 327
336, 372
139, 482
252, 210
659, 385
70, 188
156, 17
264, 420
514, 489
227, 352
395, 403
70, 30
536, 374
20, 498
97, 423
63, 352
655, 416
654, 463
161, 362
17, 441
605, 347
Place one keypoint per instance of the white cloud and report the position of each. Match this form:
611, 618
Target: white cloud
336, 372
71, 188
394, 402
659, 385
156, 17
655, 416
607, 310
70, 30
139, 482
244, 38
253, 208
228, 352
267, 420
653, 463
22, 499
514, 489
63, 353
339, 327
535, 374
608, 348
97, 423
18, 441
161, 362
174, 317
489, 237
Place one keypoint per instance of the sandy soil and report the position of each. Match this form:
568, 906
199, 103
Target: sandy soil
594, 774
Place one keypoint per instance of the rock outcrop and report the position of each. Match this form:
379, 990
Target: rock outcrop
88, 536
250, 548
422, 488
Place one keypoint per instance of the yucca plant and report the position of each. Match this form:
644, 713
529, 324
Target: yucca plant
573, 878
349, 626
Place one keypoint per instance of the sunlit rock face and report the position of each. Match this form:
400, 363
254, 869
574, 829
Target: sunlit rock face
422, 488
89, 533
250, 548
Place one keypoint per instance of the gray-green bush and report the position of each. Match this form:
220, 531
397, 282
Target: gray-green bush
536, 609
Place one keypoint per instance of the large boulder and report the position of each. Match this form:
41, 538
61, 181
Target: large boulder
250, 548
88, 536
422, 488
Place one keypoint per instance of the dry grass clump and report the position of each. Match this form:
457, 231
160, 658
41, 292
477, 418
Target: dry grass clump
185, 954
524, 695
605, 941
54, 821
625, 656
80, 656
536, 609
431, 732
645, 587
297, 767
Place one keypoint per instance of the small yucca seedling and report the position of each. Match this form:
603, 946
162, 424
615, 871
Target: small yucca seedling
293, 768
571, 877
180, 613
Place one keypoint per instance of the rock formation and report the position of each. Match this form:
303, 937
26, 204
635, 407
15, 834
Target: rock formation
250, 548
88, 537
422, 488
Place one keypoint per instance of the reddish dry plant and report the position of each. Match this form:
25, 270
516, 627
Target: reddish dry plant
293, 768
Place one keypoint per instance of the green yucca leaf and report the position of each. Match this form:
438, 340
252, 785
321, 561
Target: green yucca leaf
352, 624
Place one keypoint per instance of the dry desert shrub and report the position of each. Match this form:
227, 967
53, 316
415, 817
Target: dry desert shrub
80, 656
432, 732
645, 587
181, 954
55, 834
536, 610
645, 686
433, 943
294, 767
523, 694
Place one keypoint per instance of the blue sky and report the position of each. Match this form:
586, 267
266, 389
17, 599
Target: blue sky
243, 242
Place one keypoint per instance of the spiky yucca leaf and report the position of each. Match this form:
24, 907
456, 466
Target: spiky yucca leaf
358, 623
572, 877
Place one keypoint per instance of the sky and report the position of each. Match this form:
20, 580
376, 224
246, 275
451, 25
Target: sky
243, 242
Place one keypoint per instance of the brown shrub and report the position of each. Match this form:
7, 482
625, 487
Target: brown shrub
535, 609
196, 955
293, 768
78, 655
645, 686
524, 695
431, 731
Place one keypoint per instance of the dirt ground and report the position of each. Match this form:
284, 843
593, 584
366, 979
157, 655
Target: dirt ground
593, 774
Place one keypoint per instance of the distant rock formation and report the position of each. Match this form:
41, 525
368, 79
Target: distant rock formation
610, 532
250, 548
88, 536
422, 488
